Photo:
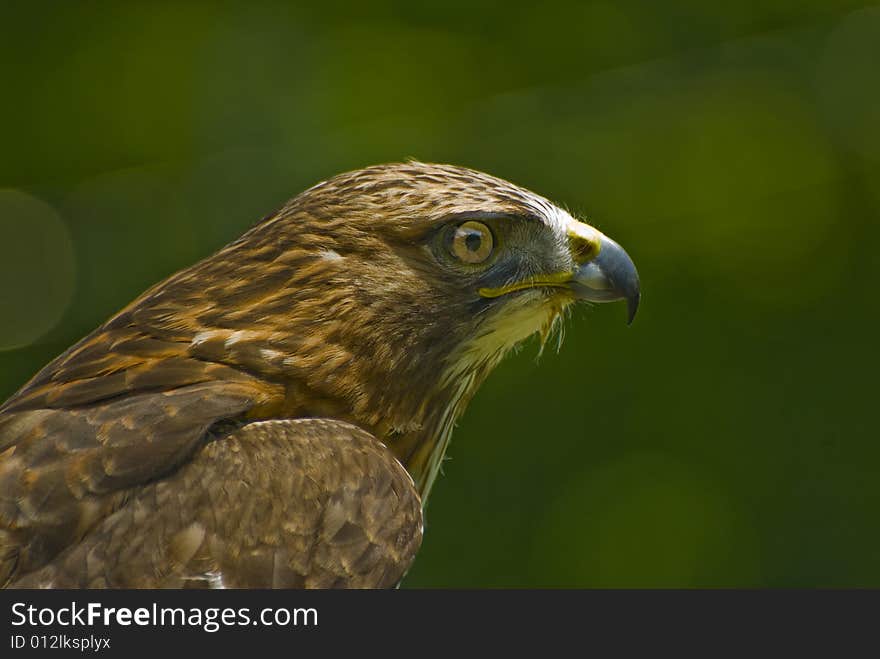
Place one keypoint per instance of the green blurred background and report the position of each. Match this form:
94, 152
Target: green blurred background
726, 439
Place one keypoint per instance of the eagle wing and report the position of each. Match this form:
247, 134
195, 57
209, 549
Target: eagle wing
127, 448
304, 503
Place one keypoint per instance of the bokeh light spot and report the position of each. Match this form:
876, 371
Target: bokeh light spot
37, 268
760, 222
647, 521
848, 82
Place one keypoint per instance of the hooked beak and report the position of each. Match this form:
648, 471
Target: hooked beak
610, 275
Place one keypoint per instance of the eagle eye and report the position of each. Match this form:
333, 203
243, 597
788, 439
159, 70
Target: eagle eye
472, 242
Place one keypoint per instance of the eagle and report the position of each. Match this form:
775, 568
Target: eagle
275, 415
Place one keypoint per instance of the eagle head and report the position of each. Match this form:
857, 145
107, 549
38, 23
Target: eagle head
385, 296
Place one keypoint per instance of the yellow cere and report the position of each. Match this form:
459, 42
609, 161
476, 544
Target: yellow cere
585, 241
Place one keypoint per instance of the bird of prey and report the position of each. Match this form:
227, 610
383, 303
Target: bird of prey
275, 415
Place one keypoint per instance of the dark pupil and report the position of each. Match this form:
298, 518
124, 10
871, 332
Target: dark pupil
473, 240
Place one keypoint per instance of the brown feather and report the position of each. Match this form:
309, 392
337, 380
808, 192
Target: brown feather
280, 504
132, 459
